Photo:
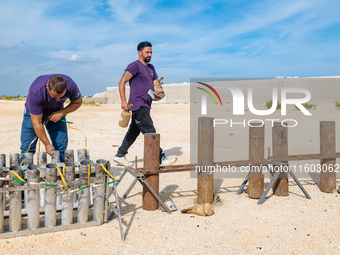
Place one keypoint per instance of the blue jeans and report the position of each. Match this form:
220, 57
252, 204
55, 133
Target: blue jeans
56, 130
141, 122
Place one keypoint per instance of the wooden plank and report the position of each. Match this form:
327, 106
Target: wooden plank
49, 229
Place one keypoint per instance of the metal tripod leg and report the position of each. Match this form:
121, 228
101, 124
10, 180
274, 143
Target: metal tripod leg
156, 196
117, 211
299, 184
269, 187
128, 191
243, 184
121, 177
276, 176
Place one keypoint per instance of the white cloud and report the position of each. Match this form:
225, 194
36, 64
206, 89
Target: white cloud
126, 11
8, 46
76, 58
94, 42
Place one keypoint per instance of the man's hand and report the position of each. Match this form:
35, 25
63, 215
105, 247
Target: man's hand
56, 116
125, 106
159, 96
49, 148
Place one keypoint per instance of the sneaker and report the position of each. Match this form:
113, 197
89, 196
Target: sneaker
122, 161
168, 161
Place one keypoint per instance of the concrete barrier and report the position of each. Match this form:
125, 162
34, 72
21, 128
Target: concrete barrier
320, 88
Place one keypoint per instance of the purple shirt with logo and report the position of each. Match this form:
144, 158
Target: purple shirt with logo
39, 100
140, 84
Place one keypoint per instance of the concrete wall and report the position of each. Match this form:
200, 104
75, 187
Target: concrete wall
323, 90
176, 92
99, 100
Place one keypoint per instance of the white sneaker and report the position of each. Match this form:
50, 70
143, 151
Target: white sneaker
122, 161
168, 161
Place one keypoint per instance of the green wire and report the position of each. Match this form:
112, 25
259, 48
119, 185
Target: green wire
67, 121
108, 183
84, 187
17, 180
52, 185
61, 120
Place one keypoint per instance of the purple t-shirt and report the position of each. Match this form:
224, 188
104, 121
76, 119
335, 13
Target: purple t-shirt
140, 84
39, 100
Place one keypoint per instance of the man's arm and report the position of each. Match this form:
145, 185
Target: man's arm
40, 131
125, 78
74, 105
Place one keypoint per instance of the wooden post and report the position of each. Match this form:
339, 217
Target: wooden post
327, 148
256, 154
205, 158
280, 150
151, 163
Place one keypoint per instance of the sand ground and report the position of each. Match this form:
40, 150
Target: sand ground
282, 225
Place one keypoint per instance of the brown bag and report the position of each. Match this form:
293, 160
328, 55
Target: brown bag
202, 210
157, 86
125, 117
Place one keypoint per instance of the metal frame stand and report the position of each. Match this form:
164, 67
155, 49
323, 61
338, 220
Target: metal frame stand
116, 209
273, 180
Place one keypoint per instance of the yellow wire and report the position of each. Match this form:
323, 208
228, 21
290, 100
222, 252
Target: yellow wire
89, 174
43, 176
18, 176
63, 182
80, 131
107, 171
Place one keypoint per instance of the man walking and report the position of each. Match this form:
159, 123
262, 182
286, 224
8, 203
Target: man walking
140, 75
45, 105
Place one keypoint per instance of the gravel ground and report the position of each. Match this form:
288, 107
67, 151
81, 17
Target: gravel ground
284, 225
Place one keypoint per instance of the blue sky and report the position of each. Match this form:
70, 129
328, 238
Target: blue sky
94, 41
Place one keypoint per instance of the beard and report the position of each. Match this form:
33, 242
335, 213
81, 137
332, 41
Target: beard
147, 59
